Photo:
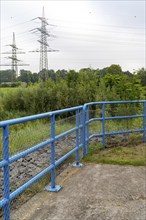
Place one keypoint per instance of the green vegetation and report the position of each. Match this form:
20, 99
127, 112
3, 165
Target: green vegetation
49, 90
63, 89
24, 136
123, 153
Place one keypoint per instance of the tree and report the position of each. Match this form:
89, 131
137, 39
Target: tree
7, 76
141, 74
25, 76
114, 69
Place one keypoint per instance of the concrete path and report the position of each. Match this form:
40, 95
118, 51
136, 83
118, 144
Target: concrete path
94, 192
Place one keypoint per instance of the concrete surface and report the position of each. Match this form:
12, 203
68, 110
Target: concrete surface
94, 192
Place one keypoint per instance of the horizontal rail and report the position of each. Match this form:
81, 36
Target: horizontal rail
29, 151
114, 102
38, 116
115, 132
65, 133
3, 163
116, 117
14, 194
67, 155
35, 148
3, 202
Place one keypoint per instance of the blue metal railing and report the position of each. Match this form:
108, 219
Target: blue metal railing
82, 140
103, 119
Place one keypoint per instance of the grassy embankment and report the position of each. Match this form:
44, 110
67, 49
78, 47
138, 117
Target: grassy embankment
130, 152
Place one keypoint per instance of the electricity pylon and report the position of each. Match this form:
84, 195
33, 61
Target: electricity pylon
15, 62
44, 46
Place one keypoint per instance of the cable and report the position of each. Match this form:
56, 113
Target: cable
17, 24
102, 25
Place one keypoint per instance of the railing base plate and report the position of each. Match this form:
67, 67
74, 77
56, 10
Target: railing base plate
77, 164
55, 189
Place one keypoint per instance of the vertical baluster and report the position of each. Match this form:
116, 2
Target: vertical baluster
81, 129
103, 125
77, 137
144, 122
87, 129
53, 187
84, 130
6, 172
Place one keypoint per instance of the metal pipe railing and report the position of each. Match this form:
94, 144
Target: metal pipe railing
81, 129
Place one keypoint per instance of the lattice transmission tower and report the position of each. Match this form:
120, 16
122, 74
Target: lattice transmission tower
44, 46
14, 61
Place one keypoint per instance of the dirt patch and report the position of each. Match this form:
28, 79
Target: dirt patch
103, 192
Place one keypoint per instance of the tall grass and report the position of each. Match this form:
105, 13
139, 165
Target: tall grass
26, 135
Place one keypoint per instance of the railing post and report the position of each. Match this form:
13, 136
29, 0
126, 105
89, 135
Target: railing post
144, 122
53, 187
6, 173
87, 129
77, 163
103, 126
84, 136
81, 123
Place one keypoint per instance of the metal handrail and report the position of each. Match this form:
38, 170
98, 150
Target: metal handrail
82, 133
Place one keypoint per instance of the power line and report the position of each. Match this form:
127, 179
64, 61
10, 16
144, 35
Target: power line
17, 24
96, 24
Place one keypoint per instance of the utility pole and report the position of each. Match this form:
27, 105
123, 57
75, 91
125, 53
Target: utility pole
14, 61
44, 46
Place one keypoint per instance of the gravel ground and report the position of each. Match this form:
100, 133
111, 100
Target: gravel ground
94, 192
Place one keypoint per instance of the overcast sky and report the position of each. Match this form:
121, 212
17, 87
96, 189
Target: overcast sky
88, 33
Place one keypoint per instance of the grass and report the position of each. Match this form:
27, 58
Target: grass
5, 90
130, 155
116, 125
26, 135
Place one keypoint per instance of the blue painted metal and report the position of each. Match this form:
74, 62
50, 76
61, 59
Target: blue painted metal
103, 125
6, 172
53, 187
116, 132
18, 191
84, 130
82, 138
63, 158
81, 127
87, 129
38, 116
3, 202
144, 122
113, 102
77, 165
49, 188
77, 138
117, 117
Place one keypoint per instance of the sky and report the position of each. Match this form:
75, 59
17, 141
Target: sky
90, 33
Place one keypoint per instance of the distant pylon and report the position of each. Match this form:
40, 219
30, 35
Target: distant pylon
15, 62
44, 46
14, 56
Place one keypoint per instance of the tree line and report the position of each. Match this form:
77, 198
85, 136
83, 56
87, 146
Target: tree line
49, 90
